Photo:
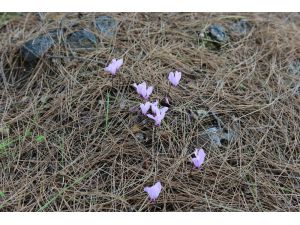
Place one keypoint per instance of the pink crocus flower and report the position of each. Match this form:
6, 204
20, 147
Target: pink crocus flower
145, 107
154, 106
114, 66
174, 78
153, 191
143, 90
159, 114
199, 157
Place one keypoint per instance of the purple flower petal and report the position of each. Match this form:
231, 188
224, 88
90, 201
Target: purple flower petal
159, 114
199, 157
174, 78
114, 66
148, 92
142, 90
153, 191
145, 107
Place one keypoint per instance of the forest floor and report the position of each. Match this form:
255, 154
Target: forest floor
73, 139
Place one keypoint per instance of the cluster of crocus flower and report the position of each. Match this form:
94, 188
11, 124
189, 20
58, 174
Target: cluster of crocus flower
157, 115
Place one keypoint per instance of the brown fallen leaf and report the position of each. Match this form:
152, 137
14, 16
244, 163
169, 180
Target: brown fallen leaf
135, 128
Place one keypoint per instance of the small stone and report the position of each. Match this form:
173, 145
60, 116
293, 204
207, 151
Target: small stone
44, 98
214, 135
228, 136
294, 67
4, 131
123, 103
241, 27
218, 33
217, 135
25, 99
37, 47
106, 25
140, 136
82, 39
202, 34
135, 128
202, 113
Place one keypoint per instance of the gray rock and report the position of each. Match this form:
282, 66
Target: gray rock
56, 34
140, 136
241, 27
82, 39
294, 67
106, 25
37, 47
202, 113
218, 33
228, 136
216, 135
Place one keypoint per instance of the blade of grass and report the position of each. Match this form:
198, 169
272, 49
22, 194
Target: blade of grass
62, 152
4, 145
107, 110
47, 204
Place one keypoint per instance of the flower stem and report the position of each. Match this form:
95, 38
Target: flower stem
112, 81
192, 167
169, 91
107, 110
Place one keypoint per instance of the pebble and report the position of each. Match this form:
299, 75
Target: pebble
241, 27
37, 47
82, 39
106, 25
218, 33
